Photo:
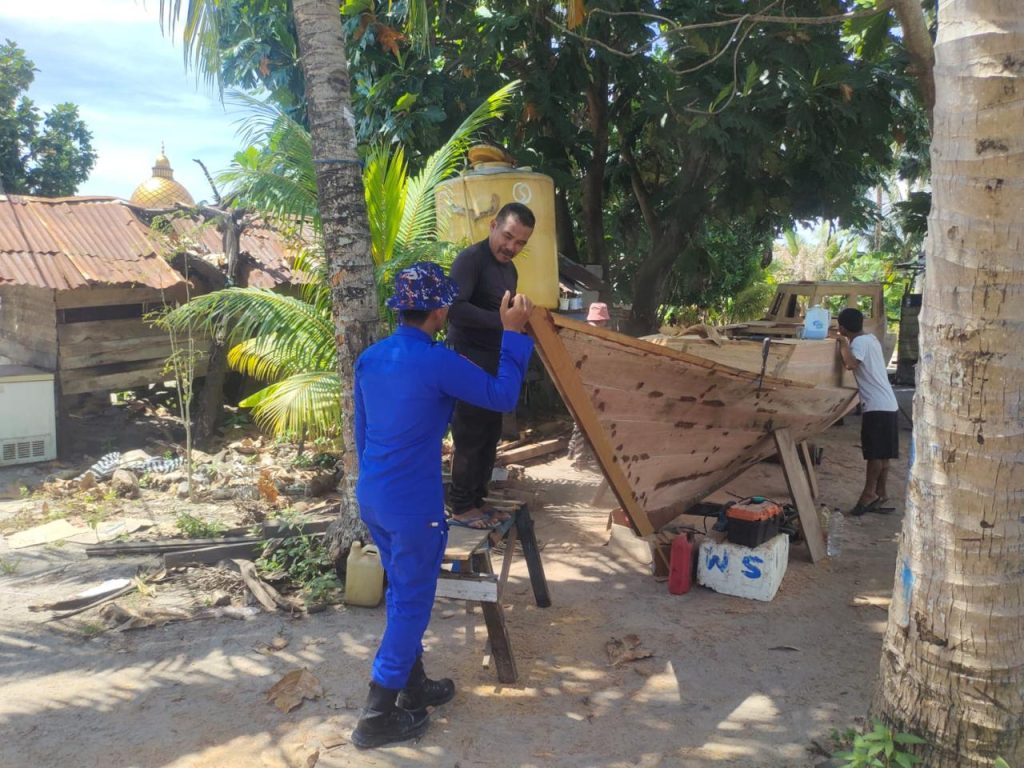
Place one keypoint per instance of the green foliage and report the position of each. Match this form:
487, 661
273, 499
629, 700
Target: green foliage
289, 341
40, 154
193, 527
9, 565
305, 560
880, 748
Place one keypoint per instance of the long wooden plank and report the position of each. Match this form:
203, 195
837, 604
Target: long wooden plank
98, 296
78, 380
801, 493
87, 355
563, 373
96, 331
532, 451
213, 555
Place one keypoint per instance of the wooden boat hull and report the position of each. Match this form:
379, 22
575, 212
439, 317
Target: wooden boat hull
667, 427
810, 362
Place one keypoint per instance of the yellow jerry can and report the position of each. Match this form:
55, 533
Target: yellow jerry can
467, 204
364, 576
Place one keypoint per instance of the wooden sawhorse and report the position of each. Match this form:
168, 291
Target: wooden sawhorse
473, 578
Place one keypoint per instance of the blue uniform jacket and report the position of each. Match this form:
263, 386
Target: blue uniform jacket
405, 389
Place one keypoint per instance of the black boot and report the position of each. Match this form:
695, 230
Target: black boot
382, 722
422, 692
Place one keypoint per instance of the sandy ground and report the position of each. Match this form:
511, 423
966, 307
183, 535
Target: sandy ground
731, 682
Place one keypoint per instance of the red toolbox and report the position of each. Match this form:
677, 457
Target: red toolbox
753, 521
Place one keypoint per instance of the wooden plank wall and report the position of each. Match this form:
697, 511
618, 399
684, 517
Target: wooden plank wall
110, 355
113, 355
28, 326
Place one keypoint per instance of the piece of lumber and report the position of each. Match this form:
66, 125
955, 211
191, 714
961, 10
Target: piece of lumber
531, 451
163, 547
812, 476
213, 555
482, 588
800, 490
464, 542
235, 536
563, 372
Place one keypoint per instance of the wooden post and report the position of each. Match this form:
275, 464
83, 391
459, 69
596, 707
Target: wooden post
539, 582
812, 476
800, 490
570, 387
497, 630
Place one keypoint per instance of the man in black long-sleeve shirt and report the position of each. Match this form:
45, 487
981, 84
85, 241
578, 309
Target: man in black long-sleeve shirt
483, 272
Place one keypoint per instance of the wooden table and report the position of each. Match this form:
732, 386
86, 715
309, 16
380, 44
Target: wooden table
473, 579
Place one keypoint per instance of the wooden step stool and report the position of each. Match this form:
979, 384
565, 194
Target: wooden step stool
474, 579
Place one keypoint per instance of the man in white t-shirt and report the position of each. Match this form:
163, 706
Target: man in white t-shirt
879, 428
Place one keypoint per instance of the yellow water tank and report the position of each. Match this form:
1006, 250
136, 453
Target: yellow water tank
467, 204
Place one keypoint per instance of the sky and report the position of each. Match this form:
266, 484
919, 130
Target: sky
129, 81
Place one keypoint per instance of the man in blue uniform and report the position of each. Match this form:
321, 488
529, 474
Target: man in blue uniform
405, 389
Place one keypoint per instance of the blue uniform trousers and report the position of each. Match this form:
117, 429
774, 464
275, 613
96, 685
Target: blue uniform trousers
411, 549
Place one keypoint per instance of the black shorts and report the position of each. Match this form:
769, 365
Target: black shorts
879, 435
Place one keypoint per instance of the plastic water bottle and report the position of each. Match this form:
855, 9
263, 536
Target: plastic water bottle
834, 543
816, 322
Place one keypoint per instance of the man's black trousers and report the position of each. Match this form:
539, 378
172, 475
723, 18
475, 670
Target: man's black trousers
475, 432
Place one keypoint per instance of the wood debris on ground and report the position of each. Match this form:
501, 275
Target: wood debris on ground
627, 649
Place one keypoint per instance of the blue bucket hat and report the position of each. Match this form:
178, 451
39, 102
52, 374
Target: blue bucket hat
423, 286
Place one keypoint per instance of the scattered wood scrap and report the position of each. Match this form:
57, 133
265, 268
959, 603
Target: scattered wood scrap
265, 594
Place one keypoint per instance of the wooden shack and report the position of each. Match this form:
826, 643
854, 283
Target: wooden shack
82, 274
79, 277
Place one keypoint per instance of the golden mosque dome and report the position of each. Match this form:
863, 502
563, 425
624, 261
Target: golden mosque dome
161, 190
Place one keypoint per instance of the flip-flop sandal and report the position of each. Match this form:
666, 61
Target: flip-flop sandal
494, 513
479, 522
860, 509
878, 509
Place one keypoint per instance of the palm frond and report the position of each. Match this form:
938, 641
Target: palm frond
275, 174
305, 401
418, 217
200, 34
266, 358
244, 313
385, 182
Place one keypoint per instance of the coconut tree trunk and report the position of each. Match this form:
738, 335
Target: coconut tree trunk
952, 668
346, 229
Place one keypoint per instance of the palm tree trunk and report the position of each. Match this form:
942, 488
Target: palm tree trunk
952, 668
346, 229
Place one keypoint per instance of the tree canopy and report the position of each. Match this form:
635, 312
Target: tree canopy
663, 124
47, 154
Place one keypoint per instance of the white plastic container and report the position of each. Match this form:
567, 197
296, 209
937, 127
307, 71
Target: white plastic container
364, 576
816, 322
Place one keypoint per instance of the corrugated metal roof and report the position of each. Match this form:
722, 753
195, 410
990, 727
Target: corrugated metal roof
266, 256
64, 243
